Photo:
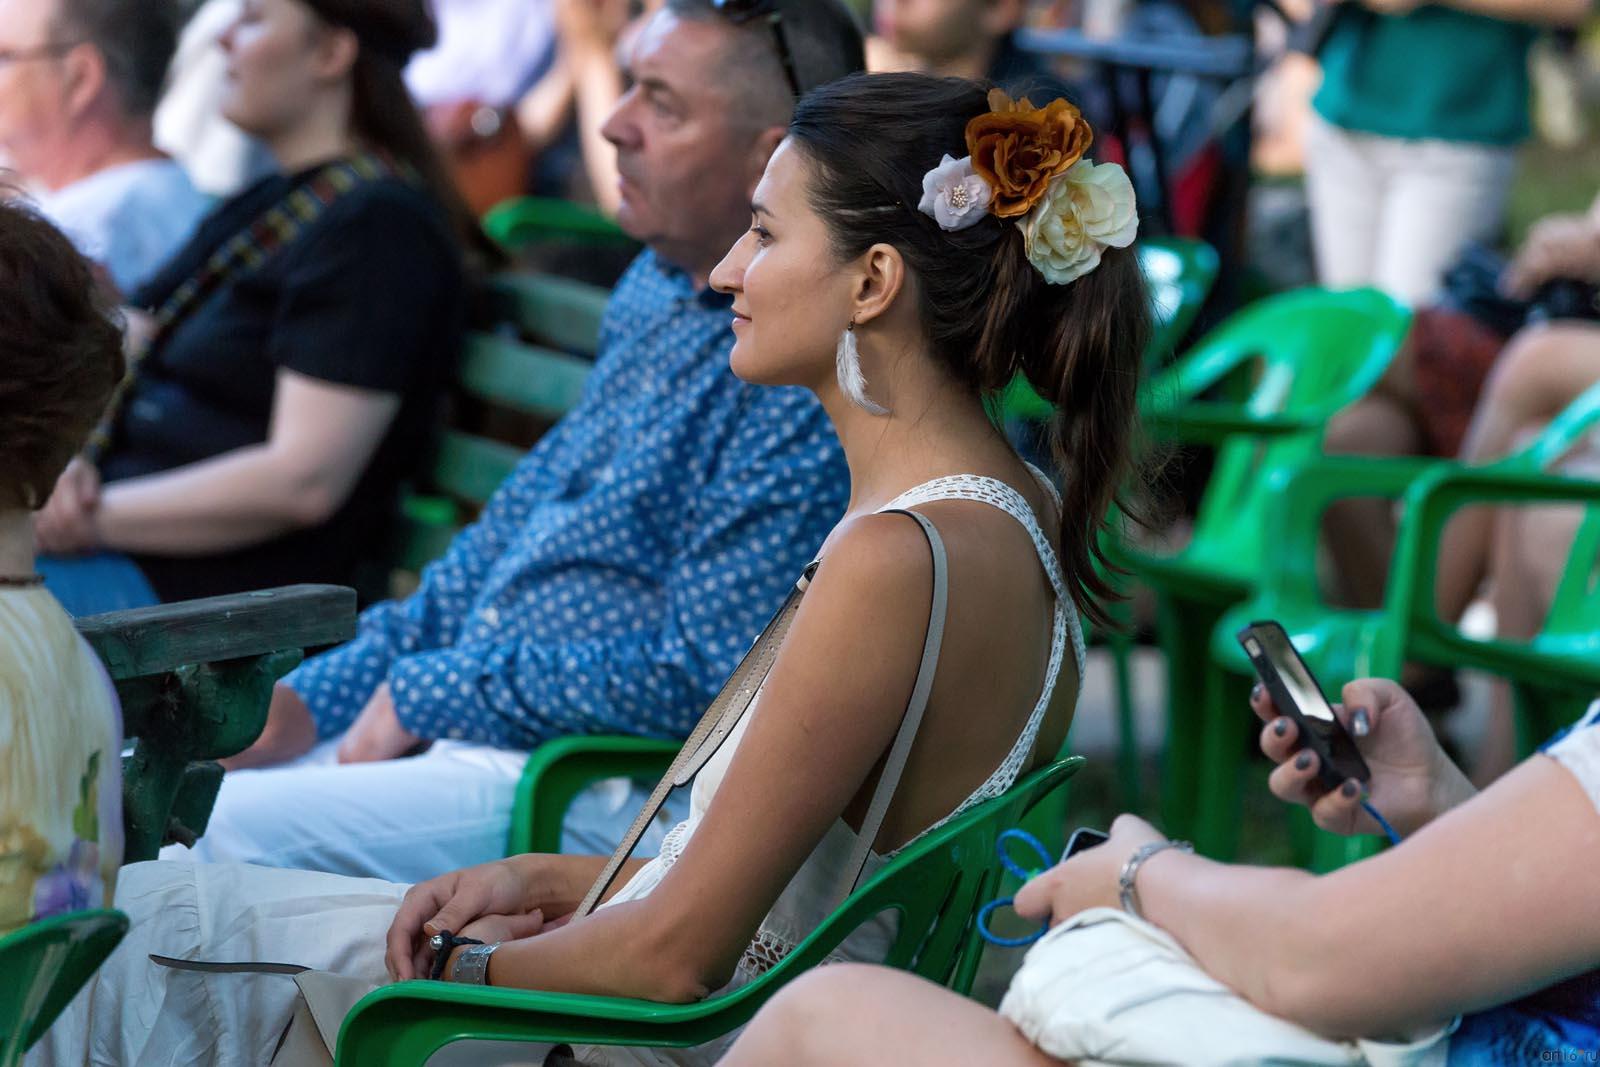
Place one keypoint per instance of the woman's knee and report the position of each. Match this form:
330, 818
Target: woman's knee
1543, 368
808, 1018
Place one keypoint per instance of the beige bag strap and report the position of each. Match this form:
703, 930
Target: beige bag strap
708, 735
739, 692
895, 764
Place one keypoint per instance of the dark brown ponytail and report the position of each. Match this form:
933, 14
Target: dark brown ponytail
988, 313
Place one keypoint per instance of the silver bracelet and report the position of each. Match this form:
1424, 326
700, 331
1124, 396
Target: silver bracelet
1130, 871
472, 964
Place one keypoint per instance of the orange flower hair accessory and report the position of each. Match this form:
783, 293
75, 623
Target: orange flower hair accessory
1019, 149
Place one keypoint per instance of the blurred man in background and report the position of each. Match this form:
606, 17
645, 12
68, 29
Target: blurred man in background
79, 80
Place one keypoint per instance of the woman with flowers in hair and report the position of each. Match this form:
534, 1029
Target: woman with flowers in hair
915, 244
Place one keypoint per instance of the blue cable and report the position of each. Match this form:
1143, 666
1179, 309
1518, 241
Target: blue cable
1389, 831
1014, 868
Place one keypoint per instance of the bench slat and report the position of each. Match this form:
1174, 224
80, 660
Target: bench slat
511, 374
559, 311
471, 468
152, 640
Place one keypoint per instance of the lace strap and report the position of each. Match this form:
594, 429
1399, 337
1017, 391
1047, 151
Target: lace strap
997, 494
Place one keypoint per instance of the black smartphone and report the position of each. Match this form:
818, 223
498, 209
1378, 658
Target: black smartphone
1297, 695
1082, 838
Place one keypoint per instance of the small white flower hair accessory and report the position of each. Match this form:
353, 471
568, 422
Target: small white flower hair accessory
954, 194
1085, 211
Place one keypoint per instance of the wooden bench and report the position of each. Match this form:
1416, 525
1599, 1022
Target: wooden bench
195, 679
516, 379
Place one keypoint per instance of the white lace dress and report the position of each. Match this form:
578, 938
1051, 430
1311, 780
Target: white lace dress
813, 892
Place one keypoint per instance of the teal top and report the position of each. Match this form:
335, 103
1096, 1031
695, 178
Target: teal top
1432, 74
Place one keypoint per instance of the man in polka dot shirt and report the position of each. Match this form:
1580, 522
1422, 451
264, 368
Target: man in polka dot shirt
614, 581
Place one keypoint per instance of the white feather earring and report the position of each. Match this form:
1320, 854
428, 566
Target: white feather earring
851, 381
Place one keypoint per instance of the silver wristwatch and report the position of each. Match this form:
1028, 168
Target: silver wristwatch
472, 964
1130, 871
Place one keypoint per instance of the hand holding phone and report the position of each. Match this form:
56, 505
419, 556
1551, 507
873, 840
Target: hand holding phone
1295, 693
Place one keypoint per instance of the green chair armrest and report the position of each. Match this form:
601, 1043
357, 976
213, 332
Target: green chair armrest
1415, 628
560, 769
1203, 422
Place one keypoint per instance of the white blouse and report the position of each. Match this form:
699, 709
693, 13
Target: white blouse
1579, 752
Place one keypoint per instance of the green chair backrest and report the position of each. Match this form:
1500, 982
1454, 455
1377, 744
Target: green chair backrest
45, 964
936, 885
524, 220
534, 365
1305, 355
1574, 616
1180, 272
1567, 647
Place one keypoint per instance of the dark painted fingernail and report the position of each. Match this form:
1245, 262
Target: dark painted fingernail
1360, 722
1255, 691
1351, 790
1281, 727
1302, 761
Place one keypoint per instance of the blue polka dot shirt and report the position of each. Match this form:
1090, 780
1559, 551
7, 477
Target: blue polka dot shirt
614, 581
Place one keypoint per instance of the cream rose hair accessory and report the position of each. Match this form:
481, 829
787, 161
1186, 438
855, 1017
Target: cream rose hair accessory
1026, 163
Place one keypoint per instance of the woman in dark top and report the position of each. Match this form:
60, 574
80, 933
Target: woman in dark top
294, 351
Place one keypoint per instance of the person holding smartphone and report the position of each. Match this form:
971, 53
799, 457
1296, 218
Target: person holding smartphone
1485, 909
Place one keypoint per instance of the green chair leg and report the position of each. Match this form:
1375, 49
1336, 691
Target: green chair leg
1130, 771
1223, 750
1329, 852
1183, 626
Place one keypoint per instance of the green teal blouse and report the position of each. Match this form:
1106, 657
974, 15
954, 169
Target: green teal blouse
1432, 74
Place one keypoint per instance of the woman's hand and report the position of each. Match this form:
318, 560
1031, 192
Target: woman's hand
377, 735
1413, 781
1088, 880
457, 902
1561, 246
66, 524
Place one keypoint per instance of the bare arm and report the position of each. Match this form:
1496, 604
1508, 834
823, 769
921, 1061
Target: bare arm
321, 438
1549, 13
1488, 902
829, 709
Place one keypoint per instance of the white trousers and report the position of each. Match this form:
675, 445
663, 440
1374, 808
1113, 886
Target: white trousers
403, 820
1395, 214
134, 1013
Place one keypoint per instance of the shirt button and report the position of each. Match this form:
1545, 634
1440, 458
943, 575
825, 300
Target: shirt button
490, 616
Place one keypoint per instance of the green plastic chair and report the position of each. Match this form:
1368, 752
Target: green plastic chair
937, 885
45, 964
1304, 356
1555, 674
1180, 272
560, 769
523, 220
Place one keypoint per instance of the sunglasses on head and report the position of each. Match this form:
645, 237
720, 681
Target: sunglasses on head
740, 12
